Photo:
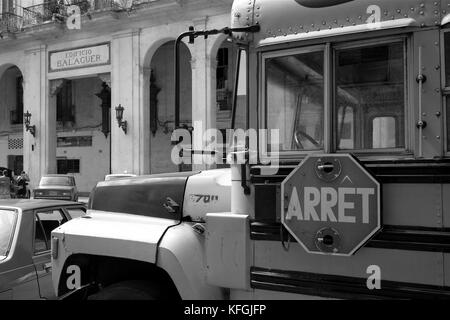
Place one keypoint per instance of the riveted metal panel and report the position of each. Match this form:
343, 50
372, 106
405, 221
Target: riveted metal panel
446, 205
283, 20
429, 104
446, 270
395, 265
412, 205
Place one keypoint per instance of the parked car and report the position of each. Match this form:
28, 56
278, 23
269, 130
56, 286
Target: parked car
115, 176
25, 239
57, 186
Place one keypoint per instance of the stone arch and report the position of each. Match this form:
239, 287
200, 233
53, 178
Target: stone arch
158, 99
11, 117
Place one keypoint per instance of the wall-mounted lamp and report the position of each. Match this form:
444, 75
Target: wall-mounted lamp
27, 118
119, 117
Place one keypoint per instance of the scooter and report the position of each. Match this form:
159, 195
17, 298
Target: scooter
21, 190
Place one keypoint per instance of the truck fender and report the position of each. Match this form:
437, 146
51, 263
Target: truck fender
182, 255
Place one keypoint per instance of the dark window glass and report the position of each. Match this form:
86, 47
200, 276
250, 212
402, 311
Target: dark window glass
447, 58
65, 166
448, 122
447, 83
40, 241
50, 220
223, 93
64, 107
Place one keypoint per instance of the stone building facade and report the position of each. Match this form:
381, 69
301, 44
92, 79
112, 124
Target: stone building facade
70, 80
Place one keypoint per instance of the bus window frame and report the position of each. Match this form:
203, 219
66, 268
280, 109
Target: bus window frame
370, 43
263, 102
445, 94
329, 49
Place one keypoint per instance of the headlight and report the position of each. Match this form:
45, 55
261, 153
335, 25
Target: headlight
66, 193
38, 193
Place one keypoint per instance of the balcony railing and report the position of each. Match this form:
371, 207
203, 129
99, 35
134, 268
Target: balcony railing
41, 13
10, 22
57, 11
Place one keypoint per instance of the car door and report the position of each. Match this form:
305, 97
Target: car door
46, 221
18, 278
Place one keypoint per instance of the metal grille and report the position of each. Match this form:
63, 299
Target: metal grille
15, 143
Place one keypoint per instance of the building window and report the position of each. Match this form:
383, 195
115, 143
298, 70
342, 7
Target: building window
223, 92
17, 113
15, 163
65, 166
78, 141
64, 105
7, 6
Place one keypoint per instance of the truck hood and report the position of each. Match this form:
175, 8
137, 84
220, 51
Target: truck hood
113, 234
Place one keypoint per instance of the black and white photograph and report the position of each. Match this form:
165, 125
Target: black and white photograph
220, 155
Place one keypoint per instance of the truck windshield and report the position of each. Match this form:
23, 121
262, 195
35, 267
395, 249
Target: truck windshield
7, 223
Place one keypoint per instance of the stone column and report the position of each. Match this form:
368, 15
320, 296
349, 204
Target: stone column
128, 150
203, 79
39, 151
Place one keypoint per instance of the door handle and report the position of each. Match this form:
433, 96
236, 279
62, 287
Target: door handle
48, 267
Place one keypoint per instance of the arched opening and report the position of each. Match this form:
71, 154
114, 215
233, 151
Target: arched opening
161, 101
11, 119
82, 110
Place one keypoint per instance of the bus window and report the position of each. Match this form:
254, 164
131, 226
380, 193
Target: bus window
447, 84
447, 58
383, 132
447, 103
370, 81
345, 129
295, 99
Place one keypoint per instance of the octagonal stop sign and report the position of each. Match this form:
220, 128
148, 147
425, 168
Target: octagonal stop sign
331, 204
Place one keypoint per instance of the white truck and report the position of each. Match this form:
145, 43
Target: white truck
142, 238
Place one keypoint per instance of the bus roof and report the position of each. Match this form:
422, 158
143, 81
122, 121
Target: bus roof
291, 20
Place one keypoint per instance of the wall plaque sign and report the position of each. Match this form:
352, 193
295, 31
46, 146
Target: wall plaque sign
80, 57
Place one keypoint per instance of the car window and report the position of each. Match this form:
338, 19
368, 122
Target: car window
58, 181
40, 242
76, 212
46, 222
7, 223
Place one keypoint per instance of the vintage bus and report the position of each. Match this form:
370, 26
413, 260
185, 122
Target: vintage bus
367, 78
